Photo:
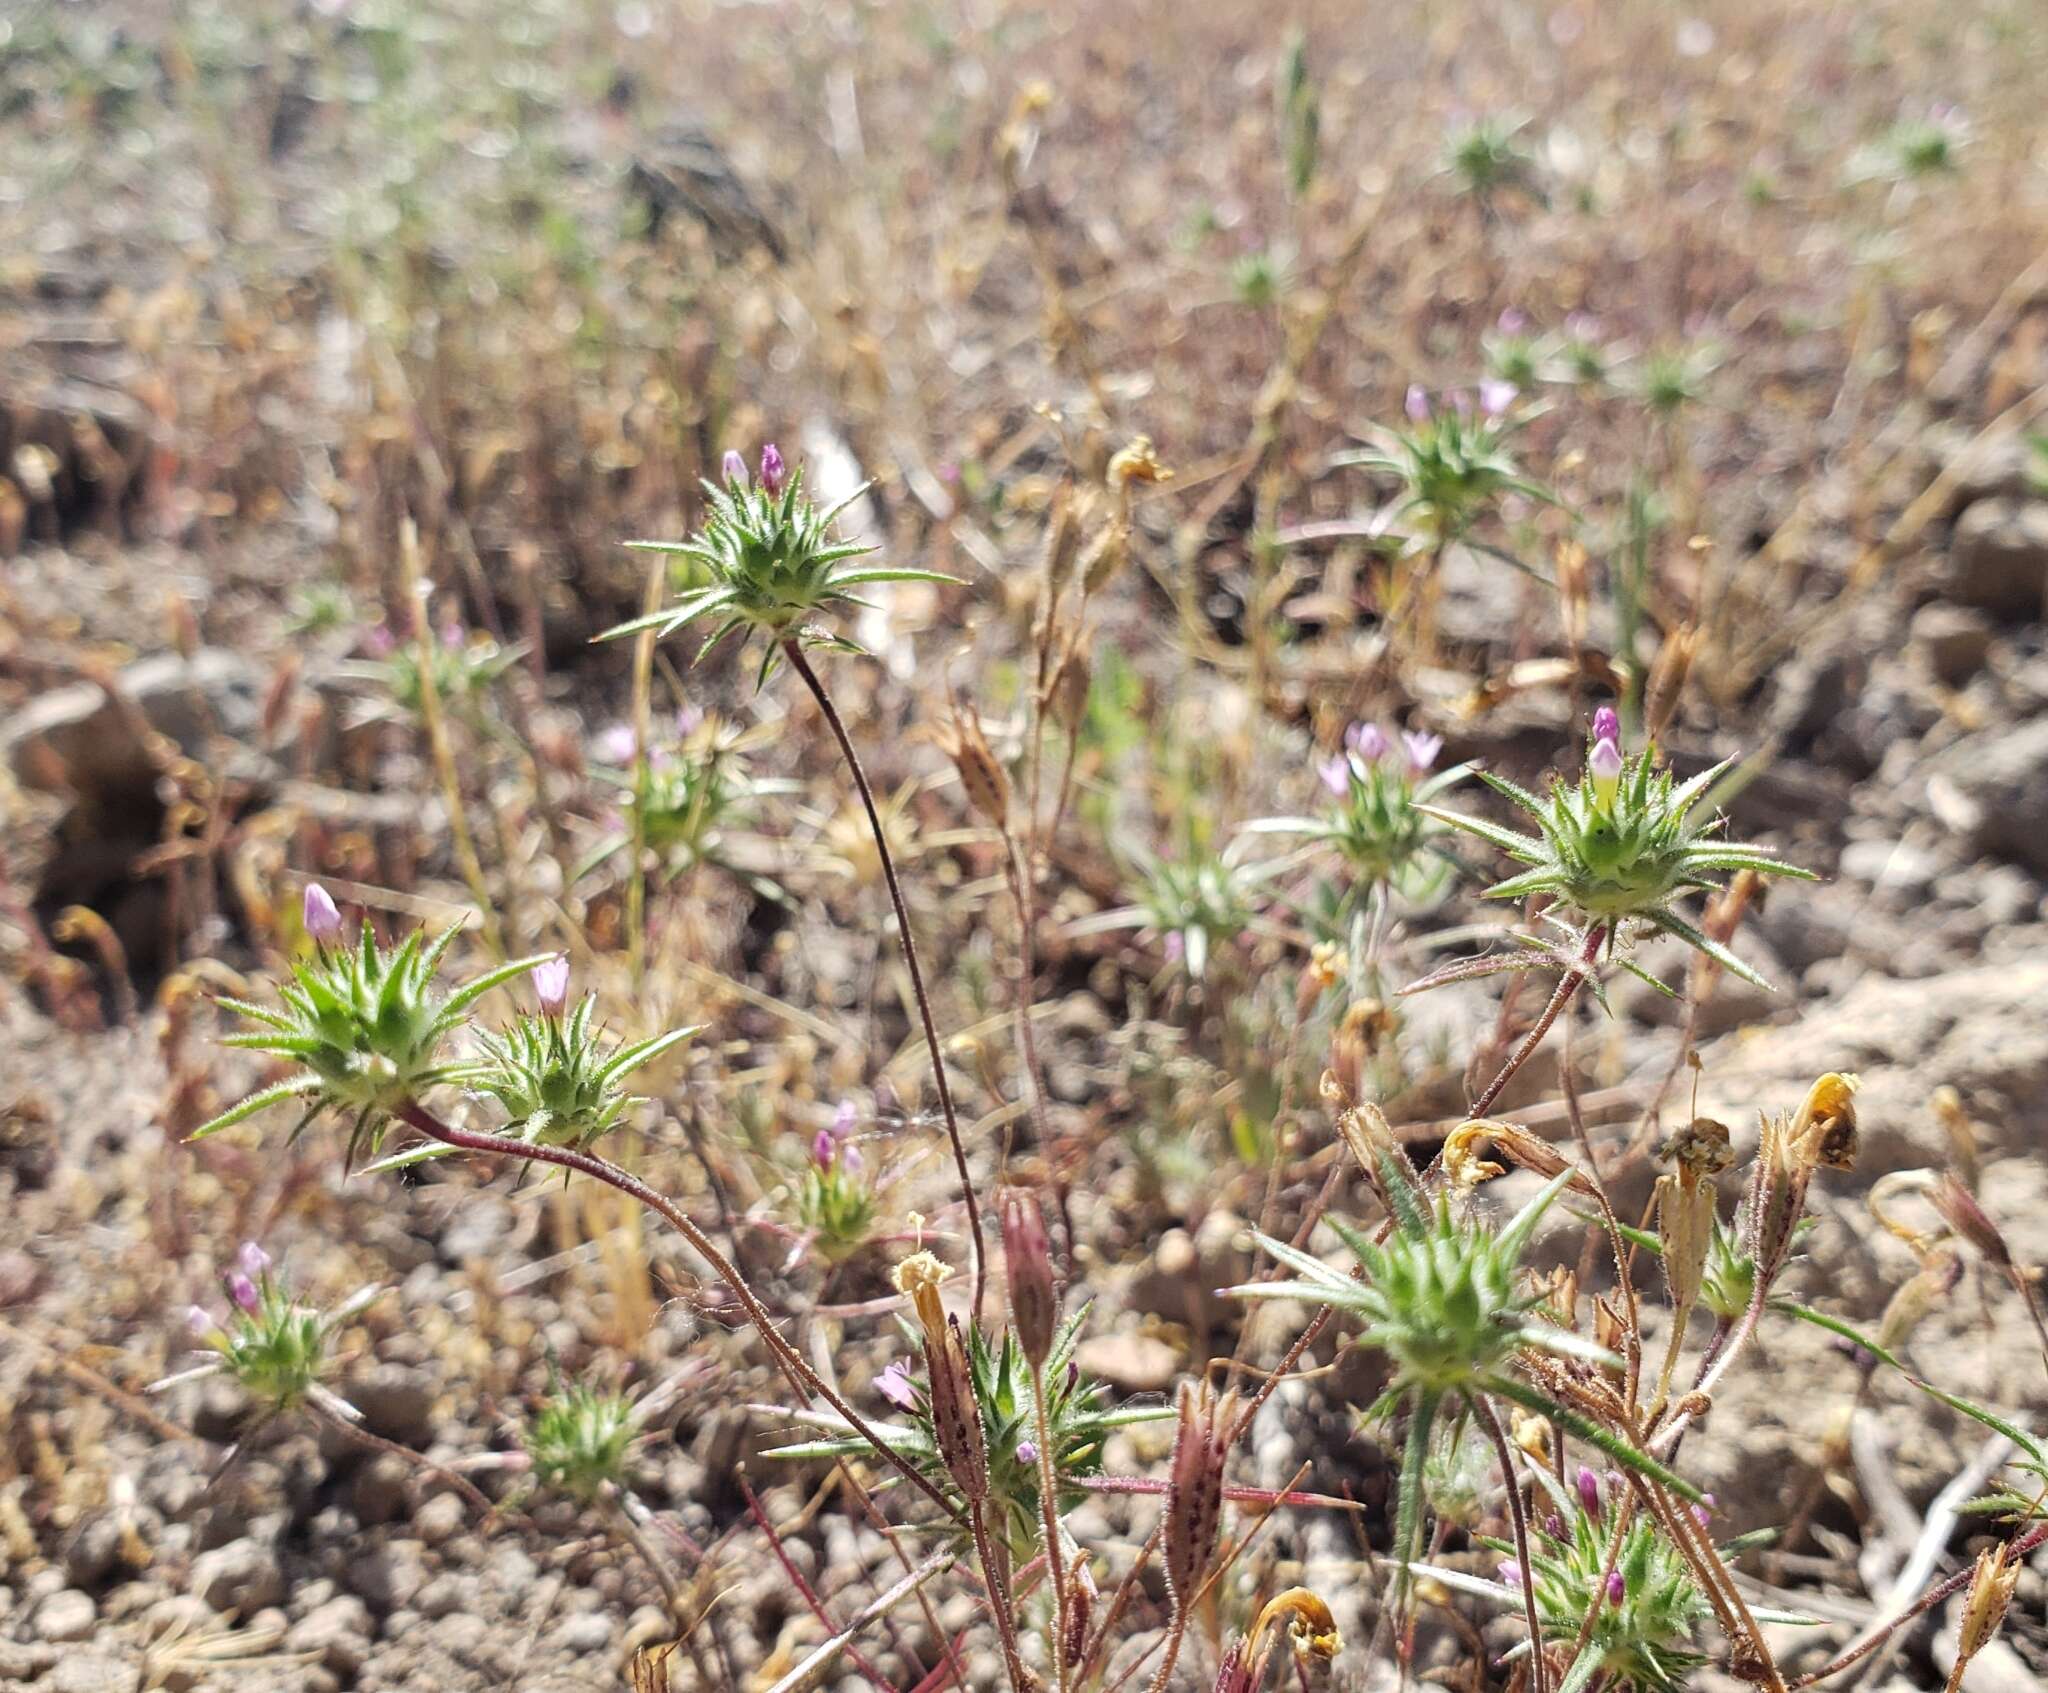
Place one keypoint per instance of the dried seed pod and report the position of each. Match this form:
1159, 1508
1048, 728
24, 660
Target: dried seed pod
1062, 543
1701, 1148
1104, 556
1991, 1587
981, 773
956, 1418
1194, 1489
1311, 1630
1959, 1209
1070, 690
1027, 1261
1668, 673
1081, 1596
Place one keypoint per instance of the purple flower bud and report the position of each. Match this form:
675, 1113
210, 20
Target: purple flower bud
1553, 1525
1416, 405
773, 472
1617, 1589
378, 641
321, 918
1495, 396
824, 1149
1510, 1573
200, 1321
1606, 724
451, 634
1605, 768
1367, 740
687, 719
1336, 774
1589, 1491
252, 1260
850, 1160
551, 984
1513, 321
1027, 1451
894, 1384
242, 1291
1461, 401
734, 469
1422, 748
1703, 1512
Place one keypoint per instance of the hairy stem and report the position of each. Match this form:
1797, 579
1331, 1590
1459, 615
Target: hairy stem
1567, 985
995, 1577
1518, 1517
792, 649
1049, 1509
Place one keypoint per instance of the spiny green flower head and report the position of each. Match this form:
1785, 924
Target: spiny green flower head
560, 1081
461, 667
1439, 1297
364, 1023
1001, 1383
1645, 1612
1452, 460
1622, 843
1487, 155
1377, 826
835, 1199
767, 560
275, 1348
580, 1440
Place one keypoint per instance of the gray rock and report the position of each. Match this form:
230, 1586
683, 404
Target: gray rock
87, 1672
337, 1635
65, 1617
94, 1550
1995, 784
396, 1400
1954, 640
582, 1636
242, 1576
391, 1577
1998, 557
80, 738
440, 1518
379, 1494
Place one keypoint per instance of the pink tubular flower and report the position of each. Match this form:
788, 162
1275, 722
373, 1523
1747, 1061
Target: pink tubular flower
1606, 724
1513, 321
616, 745
200, 1321
242, 1291
773, 471
551, 984
1422, 748
320, 916
894, 1384
734, 469
1495, 396
252, 1260
1510, 1573
1703, 1512
1589, 1491
378, 641
1336, 774
1416, 404
1617, 1589
1604, 766
1027, 1451
824, 1149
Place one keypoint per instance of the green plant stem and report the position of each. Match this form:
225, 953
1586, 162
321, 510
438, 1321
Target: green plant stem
801, 1375
1518, 1518
1567, 985
793, 650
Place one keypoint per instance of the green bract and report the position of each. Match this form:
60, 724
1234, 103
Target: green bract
366, 1028
579, 1441
1452, 465
1203, 900
1000, 1381
1626, 853
836, 1205
767, 561
560, 1083
1378, 826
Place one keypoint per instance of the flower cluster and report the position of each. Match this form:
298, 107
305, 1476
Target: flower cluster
682, 798
363, 1023
1377, 826
1452, 460
835, 1198
766, 560
1622, 844
276, 1349
580, 1439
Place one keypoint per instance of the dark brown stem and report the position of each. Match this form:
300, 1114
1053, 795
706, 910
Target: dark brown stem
1518, 1517
1567, 985
793, 650
801, 1376
995, 1577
